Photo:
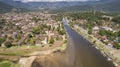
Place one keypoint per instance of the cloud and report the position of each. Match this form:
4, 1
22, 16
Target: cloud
51, 0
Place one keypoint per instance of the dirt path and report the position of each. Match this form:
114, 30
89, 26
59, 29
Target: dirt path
27, 62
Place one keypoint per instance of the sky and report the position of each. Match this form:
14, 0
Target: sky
51, 0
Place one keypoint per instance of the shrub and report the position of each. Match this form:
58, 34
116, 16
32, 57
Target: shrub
90, 31
117, 46
8, 44
7, 64
116, 19
51, 40
1, 41
36, 30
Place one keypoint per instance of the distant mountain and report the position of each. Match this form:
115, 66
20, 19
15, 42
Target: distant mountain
44, 5
5, 7
102, 5
110, 6
17, 4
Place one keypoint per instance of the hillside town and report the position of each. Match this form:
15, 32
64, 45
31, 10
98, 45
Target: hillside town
32, 28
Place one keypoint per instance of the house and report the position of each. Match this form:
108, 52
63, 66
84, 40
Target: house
38, 42
95, 30
45, 40
14, 35
3, 44
109, 17
107, 28
9, 35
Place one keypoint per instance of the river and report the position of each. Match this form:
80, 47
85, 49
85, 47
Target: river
85, 54
79, 53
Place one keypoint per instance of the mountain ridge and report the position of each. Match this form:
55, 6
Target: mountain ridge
4, 8
104, 5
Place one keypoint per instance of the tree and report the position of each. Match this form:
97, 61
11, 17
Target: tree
119, 40
106, 33
90, 31
117, 46
36, 30
51, 40
2, 22
36, 19
1, 40
58, 28
61, 32
116, 19
32, 41
49, 27
116, 34
8, 44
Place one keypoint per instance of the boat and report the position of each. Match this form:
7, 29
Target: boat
109, 58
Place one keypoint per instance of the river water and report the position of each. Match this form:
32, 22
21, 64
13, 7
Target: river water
79, 53
85, 54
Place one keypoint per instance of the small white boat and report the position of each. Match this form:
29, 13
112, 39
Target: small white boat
96, 47
109, 59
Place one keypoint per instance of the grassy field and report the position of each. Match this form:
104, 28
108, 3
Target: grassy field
6, 63
63, 47
18, 51
27, 50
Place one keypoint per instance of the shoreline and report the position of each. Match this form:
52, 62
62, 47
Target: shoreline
99, 47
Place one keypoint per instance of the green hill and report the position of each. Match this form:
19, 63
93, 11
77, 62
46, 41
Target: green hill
4, 8
112, 6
